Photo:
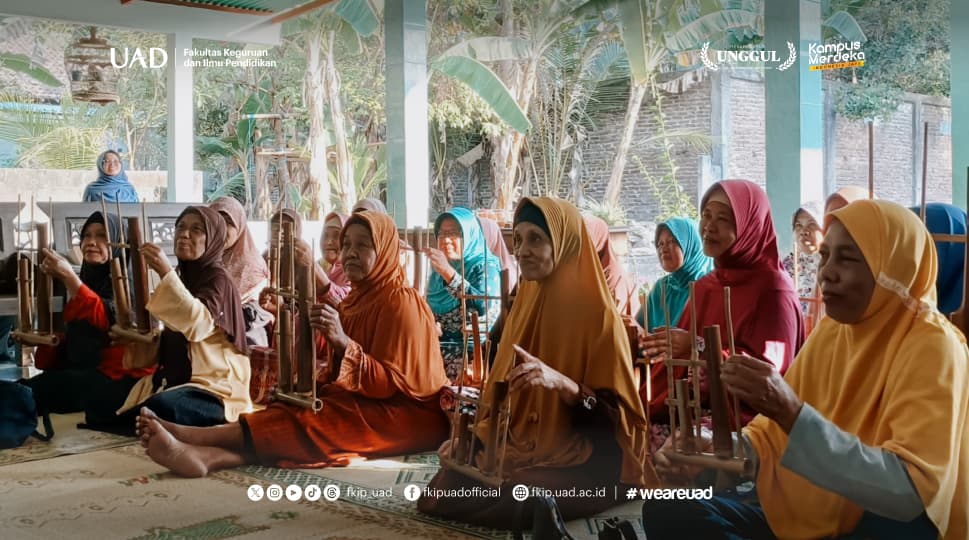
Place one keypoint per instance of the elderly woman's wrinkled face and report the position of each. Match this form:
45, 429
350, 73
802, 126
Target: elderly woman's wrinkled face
358, 253
449, 239
330, 241
670, 254
533, 249
717, 225
808, 233
231, 232
190, 237
94, 244
847, 283
111, 164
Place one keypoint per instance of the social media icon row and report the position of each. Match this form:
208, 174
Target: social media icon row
293, 492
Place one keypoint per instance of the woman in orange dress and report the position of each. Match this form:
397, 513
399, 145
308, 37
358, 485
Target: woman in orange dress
576, 417
386, 372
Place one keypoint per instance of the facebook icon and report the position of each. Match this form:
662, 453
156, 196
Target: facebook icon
412, 492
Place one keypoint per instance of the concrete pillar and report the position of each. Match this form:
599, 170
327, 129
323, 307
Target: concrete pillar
408, 171
959, 93
181, 122
794, 114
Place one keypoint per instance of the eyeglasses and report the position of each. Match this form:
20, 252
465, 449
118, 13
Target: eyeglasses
110, 161
665, 244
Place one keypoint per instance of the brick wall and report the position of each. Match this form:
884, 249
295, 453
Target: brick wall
745, 135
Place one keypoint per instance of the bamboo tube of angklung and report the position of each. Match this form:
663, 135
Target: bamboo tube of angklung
26, 295
418, 246
315, 404
722, 442
669, 367
477, 367
285, 352
44, 285
139, 277
498, 396
683, 410
121, 304
733, 352
694, 360
306, 347
735, 466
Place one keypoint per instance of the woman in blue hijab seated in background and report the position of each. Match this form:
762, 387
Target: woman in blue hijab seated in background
943, 218
112, 184
680, 251
459, 237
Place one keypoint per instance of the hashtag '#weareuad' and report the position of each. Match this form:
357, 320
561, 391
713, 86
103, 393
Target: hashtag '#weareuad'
631, 493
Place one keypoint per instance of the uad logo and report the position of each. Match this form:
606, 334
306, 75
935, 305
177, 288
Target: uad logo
157, 58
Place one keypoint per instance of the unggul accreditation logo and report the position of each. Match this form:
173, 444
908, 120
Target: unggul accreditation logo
747, 58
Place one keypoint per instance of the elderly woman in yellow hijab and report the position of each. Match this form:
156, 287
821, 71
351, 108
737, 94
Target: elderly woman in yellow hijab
576, 417
867, 434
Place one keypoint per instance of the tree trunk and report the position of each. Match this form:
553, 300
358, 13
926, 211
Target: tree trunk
264, 202
315, 106
344, 168
636, 94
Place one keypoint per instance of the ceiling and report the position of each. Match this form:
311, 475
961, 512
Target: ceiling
244, 21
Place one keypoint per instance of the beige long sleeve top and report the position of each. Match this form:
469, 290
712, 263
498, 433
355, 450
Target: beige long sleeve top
217, 366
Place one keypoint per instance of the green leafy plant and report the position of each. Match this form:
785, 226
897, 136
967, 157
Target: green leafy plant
612, 214
672, 198
868, 101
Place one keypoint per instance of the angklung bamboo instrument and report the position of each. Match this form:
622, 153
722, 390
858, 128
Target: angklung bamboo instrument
295, 290
474, 370
687, 451
462, 455
30, 332
132, 320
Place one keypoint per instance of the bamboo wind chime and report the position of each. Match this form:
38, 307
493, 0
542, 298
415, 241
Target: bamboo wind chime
31, 331
295, 290
132, 320
686, 410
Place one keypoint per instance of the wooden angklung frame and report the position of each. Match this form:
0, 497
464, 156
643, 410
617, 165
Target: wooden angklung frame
468, 398
132, 320
295, 291
685, 409
31, 330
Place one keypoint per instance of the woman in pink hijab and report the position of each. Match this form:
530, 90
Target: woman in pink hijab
330, 259
621, 284
496, 244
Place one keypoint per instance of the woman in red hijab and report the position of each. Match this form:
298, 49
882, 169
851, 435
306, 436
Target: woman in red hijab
737, 232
